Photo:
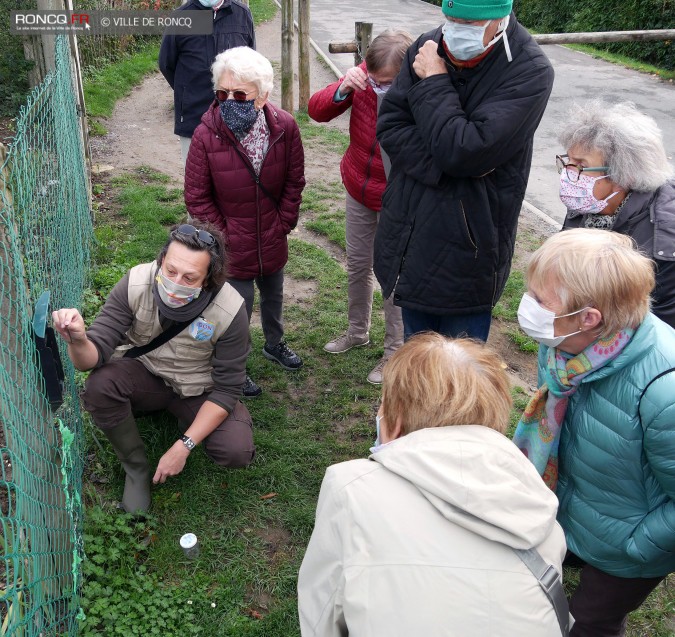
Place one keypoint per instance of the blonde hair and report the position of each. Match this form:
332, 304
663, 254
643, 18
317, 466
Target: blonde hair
435, 381
246, 65
595, 268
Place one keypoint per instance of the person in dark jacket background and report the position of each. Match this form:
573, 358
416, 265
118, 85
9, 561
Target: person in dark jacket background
185, 61
458, 125
363, 175
616, 176
245, 173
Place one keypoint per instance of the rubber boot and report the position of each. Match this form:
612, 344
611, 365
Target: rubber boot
130, 450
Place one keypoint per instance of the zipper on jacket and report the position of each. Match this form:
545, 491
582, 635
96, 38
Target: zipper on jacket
402, 262
370, 161
570, 453
468, 231
257, 197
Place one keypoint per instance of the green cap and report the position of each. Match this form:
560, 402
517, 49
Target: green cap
477, 9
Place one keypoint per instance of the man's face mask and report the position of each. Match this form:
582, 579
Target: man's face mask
538, 322
465, 41
173, 294
578, 195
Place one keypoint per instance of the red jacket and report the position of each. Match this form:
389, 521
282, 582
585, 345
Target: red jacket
361, 167
255, 217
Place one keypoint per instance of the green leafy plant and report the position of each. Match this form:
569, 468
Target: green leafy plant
120, 596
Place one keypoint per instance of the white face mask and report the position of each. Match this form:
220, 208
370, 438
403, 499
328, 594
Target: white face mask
537, 322
174, 294
465, 41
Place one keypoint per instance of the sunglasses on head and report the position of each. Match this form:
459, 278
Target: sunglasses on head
190, 231
239, 96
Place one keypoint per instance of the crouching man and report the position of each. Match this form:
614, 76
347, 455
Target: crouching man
172, 335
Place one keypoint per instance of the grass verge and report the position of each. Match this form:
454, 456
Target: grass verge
104, 88
623, 60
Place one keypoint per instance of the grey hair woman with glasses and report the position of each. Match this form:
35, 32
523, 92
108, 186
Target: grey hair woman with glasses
616, 176
245, 173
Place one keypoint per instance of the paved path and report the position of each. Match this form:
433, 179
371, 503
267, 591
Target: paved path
578, 78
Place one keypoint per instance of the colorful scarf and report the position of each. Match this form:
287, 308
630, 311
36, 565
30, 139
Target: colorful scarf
538, 432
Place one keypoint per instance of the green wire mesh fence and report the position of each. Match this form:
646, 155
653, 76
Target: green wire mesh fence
45, 234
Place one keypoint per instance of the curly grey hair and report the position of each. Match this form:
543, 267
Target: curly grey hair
630, 142
246, 65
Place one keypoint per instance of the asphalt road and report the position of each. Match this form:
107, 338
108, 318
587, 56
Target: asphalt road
579, 77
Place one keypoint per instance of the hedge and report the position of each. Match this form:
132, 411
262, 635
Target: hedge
552, 16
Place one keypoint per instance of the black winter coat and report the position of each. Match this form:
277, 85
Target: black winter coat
461, 149
649, 217
185, 60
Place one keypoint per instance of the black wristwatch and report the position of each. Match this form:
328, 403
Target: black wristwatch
188, 442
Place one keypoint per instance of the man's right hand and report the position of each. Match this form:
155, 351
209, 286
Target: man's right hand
355, 80
68, 322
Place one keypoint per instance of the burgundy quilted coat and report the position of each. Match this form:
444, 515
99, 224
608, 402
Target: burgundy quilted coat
361, 167
254, 215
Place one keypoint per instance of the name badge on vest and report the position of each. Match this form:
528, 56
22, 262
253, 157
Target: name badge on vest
201, 330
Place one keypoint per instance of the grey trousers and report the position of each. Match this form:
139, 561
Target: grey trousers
184, 147
361, 224
123, 386
271, 288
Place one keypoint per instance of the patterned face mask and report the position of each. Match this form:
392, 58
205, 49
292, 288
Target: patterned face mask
174, 294
239, 117
578, 196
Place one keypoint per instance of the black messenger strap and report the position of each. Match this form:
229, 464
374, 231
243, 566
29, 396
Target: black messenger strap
159, 340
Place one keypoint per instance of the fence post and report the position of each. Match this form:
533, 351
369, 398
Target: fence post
303, 52
287, 55
364, 34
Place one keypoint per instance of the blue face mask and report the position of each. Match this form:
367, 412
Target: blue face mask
239, 117
209, 3
465, 41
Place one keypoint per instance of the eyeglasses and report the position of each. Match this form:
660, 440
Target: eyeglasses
223, 94
573, 171
382, 86
190, 231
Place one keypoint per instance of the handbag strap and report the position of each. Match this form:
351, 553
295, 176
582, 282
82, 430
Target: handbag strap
644, 391
551, 582
254, 176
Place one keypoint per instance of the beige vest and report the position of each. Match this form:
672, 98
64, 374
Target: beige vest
184, 362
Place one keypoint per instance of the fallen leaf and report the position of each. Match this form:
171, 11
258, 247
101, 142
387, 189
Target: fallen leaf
268, 496
254, 613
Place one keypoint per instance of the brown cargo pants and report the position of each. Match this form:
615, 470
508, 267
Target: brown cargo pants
122, 387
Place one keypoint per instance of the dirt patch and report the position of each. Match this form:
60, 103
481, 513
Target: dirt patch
140, 132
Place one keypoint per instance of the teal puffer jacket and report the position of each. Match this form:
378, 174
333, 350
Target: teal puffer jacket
616, 482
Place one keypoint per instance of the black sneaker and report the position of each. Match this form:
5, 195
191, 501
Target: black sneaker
283, 355
250, 388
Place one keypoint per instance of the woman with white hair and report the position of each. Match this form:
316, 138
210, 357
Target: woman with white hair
616, 176
601, 428
245, 174
425, 538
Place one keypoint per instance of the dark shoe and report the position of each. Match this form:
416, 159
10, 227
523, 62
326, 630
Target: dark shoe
250, 388
283, 355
